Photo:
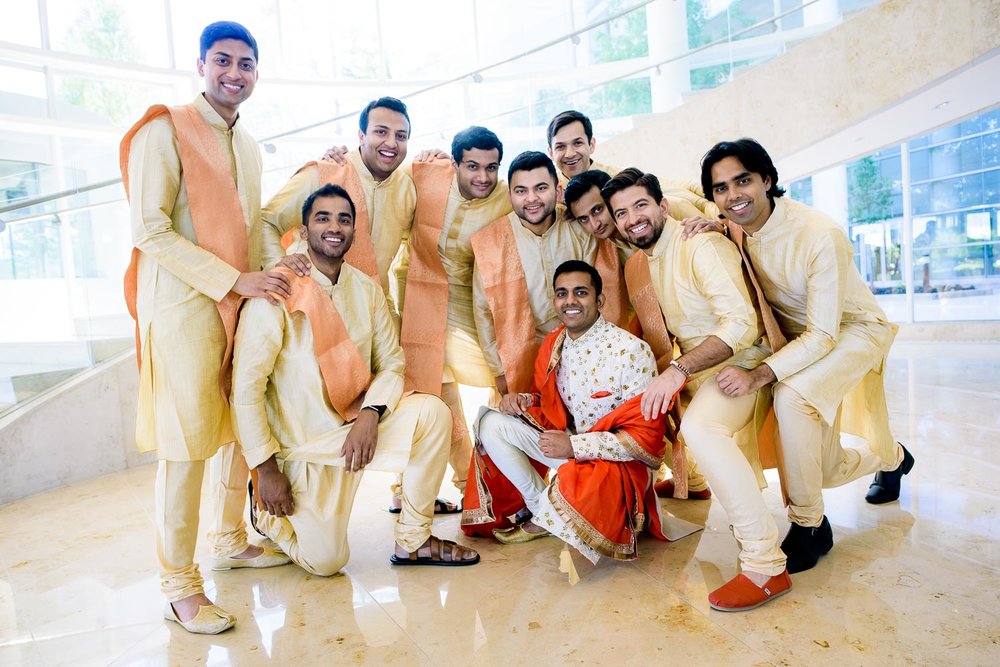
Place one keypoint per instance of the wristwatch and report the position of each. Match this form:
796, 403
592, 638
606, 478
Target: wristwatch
379, 409
679, 366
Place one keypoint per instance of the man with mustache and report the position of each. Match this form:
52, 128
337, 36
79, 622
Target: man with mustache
705, 304
828, 378
318, 397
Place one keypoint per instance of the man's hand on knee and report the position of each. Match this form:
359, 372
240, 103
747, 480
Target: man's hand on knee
556, 444
359, 448
273, 489
735, 381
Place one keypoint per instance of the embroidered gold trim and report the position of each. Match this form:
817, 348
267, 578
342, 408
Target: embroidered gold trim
484, 514
637, 451
586, 532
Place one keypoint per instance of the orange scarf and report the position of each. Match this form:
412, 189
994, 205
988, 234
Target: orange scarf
654, 331
609, 265
361, 254
499, 264
425, 310
345, 374
216, 213
607, 503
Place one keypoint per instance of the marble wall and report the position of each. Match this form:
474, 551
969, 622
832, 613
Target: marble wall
82, 429
871, 61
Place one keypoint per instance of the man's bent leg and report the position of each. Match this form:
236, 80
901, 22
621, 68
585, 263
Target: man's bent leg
425, 467
229, 473
511, 444
845, 464
315, 535
710, 424
178, 499
802, 441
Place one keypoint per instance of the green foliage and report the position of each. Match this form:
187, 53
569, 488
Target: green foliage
622, 38
101, 31
869, 194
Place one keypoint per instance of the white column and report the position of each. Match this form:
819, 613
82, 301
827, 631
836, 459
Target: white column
666, 35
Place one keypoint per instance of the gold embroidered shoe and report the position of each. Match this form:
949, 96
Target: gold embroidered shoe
266, 559
210, 619
517, 535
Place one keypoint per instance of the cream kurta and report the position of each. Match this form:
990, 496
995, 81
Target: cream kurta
280, 402
390, 210
805, 265
699, 284
540, 256
182, 412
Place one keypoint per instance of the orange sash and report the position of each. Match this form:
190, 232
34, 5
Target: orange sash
506, 286
425, 309
609, 265
607, 503
216, 213
361, 254
345, 374
644, 301
768, 438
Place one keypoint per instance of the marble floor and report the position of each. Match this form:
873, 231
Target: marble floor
914, 582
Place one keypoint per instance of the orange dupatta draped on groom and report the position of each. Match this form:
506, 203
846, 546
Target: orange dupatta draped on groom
606, 503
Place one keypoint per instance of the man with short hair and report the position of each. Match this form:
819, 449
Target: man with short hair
586, 205
383, 192
512, 298
828, 378
318, 398
703, 301
455, 199
192, 176
581, 419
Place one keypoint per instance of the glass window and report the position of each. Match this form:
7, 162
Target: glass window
20, 23
130, 32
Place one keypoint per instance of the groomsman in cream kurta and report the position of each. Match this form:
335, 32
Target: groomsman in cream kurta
828, 378
587, 207
318, 398
514, 257
456, 197
374, 176
192, 175
704, 302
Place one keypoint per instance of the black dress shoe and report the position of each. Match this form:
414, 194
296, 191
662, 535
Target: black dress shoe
803, 546
885, 486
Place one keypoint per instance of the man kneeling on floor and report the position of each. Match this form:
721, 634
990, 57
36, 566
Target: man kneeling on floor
585, 421
317, 398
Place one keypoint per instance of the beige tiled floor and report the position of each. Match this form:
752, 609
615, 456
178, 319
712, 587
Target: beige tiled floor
914, 582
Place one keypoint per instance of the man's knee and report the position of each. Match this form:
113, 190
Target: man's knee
324, 563
788, 402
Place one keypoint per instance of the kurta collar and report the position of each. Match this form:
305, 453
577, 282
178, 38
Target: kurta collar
773, 224
302, 246
593, 334
522, 229
212, 116
669, 229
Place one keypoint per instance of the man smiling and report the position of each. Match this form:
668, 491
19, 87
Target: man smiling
582, 419
383, 193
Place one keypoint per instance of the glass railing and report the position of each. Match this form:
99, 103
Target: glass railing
64, 233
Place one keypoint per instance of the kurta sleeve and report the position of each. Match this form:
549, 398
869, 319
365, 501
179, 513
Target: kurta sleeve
718, 275
284, 212
154, 171
387, 356
825, 287
259, 338
484, 324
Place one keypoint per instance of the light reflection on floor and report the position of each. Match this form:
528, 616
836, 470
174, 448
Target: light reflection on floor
913, 582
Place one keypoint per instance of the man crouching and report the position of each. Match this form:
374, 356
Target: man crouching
317, 398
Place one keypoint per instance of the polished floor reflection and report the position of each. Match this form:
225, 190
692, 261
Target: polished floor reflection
913, 582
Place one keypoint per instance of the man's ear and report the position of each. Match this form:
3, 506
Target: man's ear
600, 301
303, 232
665, 207
201, 67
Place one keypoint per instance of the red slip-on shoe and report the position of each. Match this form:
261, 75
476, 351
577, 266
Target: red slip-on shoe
741, 594
665, 489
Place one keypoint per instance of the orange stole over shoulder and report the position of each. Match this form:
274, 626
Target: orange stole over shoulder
642, 295
216, 213
346, 375
506, 288
609, 265
425, 309
361, 254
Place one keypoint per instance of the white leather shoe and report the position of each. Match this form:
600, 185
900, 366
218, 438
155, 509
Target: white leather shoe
210, 619
266, 559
